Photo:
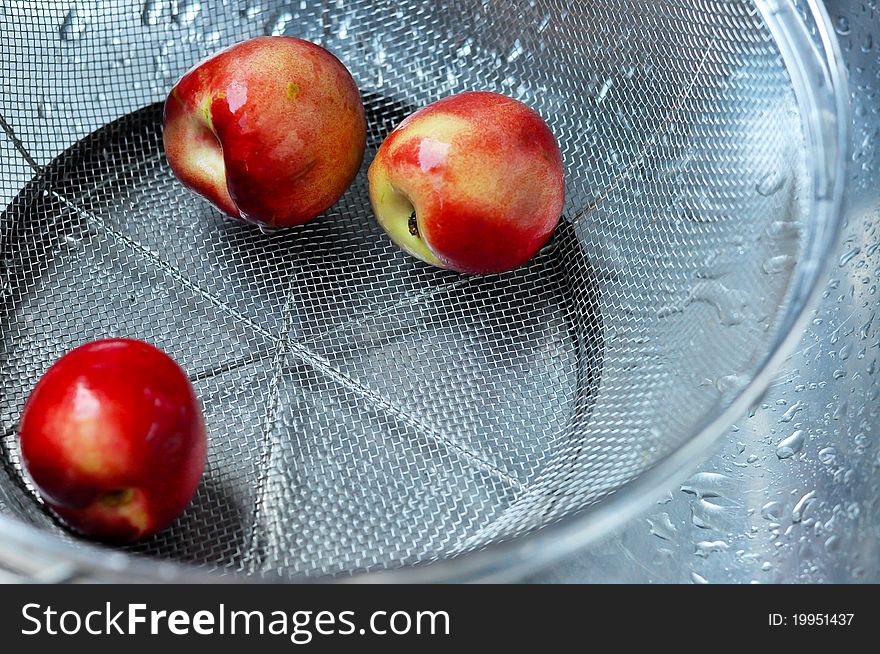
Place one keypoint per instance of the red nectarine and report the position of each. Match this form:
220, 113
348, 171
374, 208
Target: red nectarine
473, 183
113, 438
271, 130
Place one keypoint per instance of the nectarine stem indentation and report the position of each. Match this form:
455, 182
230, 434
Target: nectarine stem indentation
119, 497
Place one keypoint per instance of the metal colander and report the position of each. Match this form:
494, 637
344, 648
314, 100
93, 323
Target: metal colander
365, 411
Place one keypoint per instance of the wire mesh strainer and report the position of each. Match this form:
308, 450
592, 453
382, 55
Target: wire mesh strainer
365, 411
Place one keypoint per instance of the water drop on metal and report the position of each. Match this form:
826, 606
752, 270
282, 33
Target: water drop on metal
277, 25
791, 445
848, 256
788, 416
187, 11
661, 526
770, 184
709, 484
778, 264
698, 579
74, 24
797, 513
153, 10
772, 511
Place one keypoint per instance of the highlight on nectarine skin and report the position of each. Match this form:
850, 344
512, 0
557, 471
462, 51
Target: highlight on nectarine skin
114, 440
271, 130
473, 183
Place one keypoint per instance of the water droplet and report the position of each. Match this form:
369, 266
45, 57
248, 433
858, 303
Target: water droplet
44, 109
772, 511
784, 229
706, 515
278, 23
766, 566
752, 458
698, 579
848, 256
797, 513
853, 511
545, 21
841, 410
153, 10
465, 49
71, 240
832, 544
267, 231
668, 310
290, 419
515, 51
730, 304
868, 43
771, 183
251, 8
75, 23
709, 484
827, 456
187, 11
791, 445
841, 25
731, 383
865, 329
666, 499
342, 30
778, 264
662, 557
706, 547
661, 526
604, 90
788, 416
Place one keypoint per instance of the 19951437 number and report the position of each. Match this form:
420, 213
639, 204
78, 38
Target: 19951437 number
821, 619
810, 619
